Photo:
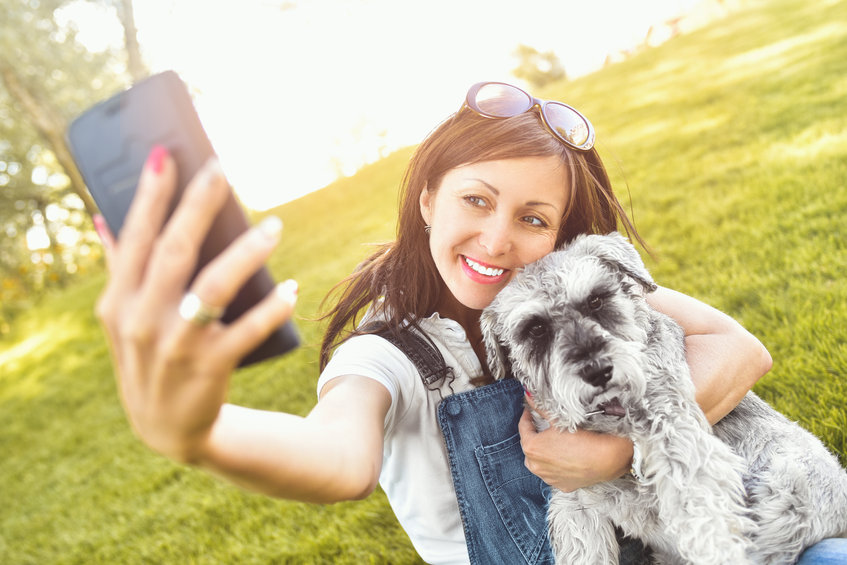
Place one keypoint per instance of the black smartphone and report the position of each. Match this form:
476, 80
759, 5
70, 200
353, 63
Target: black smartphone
110, 143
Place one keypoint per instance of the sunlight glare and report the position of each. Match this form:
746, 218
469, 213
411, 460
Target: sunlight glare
292, 96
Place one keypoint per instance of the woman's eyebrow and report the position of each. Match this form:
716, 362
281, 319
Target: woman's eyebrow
497, 193
487, 185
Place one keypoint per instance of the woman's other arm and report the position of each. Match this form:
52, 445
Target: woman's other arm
725, 362
725, 359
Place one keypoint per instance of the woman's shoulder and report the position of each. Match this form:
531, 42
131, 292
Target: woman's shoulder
372, 357
369, 350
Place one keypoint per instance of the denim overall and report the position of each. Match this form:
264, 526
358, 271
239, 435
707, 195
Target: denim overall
503, 505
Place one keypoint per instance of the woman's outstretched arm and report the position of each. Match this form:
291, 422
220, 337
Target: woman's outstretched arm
333, 454
173, 374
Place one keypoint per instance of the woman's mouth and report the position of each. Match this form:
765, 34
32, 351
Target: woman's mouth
481, 272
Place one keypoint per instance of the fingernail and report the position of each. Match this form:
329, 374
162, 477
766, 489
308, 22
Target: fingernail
156, 159
100, 227
288, 290
527, 393
270, 227
213, 168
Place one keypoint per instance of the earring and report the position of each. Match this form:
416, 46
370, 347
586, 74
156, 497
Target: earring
428, 229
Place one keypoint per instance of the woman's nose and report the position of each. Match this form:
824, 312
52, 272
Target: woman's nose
496, 236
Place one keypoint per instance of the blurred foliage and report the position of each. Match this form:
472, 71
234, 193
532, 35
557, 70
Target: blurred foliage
47, 77
537, 68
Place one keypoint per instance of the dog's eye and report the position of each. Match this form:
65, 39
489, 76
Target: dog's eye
595, 302
537, 331
536, 335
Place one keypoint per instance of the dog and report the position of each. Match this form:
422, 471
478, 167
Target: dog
576, 330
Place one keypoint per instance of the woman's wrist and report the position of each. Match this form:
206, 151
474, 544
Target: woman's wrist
621, 457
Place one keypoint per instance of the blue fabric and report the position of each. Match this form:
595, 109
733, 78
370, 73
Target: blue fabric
503, 505
827, 552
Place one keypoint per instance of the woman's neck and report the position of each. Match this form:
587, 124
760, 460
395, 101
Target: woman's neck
449, 307
468, 318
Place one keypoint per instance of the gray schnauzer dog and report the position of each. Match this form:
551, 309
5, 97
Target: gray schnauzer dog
576, 331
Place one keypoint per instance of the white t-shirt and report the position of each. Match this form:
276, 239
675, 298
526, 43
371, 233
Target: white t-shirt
415, 470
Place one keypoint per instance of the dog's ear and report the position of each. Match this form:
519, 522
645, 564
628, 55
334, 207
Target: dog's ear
495, 354
616, 250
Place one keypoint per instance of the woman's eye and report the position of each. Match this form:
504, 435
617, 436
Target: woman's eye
475, 201
535, 221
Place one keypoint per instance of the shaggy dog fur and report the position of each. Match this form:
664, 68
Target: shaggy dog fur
576, 330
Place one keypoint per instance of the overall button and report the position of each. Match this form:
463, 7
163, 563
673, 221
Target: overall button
454, 408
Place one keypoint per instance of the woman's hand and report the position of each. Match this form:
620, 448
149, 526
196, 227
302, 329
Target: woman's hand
173, 373
572, 460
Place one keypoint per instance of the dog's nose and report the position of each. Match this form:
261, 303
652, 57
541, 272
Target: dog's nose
597, 375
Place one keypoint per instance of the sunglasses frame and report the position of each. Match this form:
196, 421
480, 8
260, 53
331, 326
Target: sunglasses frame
536, 104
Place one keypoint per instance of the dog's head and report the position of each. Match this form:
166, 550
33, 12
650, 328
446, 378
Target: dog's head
572, 327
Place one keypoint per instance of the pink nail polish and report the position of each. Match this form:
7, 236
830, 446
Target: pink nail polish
100, 226
156, 159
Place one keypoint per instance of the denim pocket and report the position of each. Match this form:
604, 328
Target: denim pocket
519, 496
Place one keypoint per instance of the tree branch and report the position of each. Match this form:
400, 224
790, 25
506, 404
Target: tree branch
50, 125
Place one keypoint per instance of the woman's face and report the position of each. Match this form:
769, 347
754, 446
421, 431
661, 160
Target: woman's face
488, 220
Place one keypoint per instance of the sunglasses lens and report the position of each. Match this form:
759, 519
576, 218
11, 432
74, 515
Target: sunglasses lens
501, 100
567, 123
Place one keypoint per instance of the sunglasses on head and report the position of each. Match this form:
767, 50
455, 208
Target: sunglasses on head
500, 100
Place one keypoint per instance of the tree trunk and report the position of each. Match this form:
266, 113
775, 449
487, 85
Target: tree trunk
58, 269
50, 125
137, 69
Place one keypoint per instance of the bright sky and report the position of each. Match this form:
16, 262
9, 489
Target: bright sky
292, 92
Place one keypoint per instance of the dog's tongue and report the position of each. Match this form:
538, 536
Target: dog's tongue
613, 408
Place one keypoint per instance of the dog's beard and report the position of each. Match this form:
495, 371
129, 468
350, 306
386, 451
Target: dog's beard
559, 391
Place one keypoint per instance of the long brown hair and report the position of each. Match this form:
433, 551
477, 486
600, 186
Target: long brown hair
400, 279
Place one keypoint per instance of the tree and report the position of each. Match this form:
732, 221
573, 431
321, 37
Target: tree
536, 68
46, 78
135, 62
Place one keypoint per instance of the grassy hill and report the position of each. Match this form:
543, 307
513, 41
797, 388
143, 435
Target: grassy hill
732, 145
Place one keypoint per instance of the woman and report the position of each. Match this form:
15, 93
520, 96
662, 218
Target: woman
497, 186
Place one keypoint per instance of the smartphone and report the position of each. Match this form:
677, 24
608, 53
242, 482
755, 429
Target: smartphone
110, 143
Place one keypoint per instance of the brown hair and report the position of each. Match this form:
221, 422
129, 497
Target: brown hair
400, 279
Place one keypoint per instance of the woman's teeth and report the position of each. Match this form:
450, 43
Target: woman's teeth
487, 271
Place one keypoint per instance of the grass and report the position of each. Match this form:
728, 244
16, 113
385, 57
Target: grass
732, 144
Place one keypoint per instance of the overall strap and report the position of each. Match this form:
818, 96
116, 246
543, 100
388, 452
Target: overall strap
420, 350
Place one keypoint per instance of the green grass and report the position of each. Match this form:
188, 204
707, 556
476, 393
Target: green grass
732, 143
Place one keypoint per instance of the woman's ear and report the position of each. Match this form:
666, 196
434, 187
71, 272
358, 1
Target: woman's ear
426, 205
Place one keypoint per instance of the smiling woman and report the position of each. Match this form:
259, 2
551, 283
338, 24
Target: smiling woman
749, 222
489, 219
